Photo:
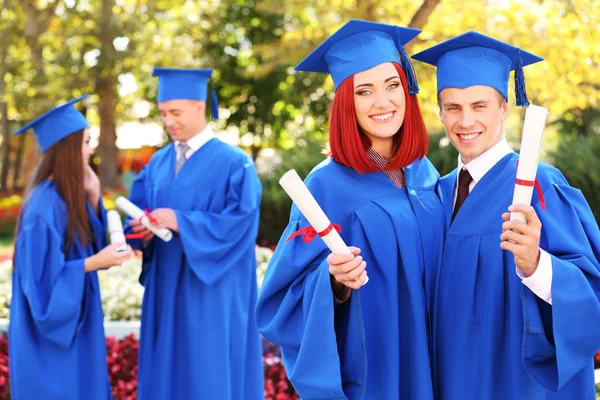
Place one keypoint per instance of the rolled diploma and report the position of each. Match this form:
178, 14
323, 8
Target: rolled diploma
306, 203
115, 229
137, 214
531, 144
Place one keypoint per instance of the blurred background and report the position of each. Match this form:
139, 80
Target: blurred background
52, 51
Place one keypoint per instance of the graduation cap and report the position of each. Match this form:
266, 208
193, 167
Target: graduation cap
185, 84
474, 59
57, 124
359, 46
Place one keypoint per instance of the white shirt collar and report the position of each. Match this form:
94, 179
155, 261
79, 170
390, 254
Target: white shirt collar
486, 161
196, 141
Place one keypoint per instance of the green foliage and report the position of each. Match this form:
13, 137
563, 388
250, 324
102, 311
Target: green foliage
442, 153
276, 204
577, 158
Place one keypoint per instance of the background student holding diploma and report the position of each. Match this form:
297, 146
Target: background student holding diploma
516, 313
377, 185
198, 338
57, 345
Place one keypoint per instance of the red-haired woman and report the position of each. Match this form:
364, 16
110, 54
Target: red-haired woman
56, 335
342, 338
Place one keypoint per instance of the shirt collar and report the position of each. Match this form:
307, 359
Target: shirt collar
486, 161
377, 158
199, 139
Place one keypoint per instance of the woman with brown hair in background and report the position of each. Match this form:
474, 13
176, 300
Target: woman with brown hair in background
56, 336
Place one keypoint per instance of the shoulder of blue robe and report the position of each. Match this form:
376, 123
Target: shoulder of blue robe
296, 308
215, 242
52, 285
560, 340
159, 156
422, 175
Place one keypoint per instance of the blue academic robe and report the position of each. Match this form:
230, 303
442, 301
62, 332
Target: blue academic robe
493, 337
375, 345
198, 338
57, 346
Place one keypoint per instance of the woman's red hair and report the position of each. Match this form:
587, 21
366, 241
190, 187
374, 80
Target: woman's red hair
348, 144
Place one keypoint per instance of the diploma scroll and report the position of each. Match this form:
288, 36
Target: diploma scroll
136, 213
115, 229
531, 144
306, 203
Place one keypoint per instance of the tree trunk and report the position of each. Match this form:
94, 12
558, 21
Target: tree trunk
4, 112
37, 22
420, 18
107, 149
18, 162
107, 92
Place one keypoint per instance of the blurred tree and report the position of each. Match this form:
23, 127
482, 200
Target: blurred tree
5, 37
577, 158
110, 47
563, 32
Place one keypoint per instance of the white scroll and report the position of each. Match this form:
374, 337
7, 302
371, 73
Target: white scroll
531, 145
137, 214
311, 210
115, 229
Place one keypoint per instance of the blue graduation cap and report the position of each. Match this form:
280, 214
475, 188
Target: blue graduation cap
185, 84
57, 124
474, 59
359, 46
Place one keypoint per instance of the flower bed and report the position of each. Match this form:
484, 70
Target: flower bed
121, 301
121, 293
10, 206
122, 367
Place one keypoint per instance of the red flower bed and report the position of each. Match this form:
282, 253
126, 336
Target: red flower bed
121, 357
122, 368
4, 374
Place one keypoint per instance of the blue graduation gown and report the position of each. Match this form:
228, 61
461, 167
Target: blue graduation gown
57, 346
198, 339
493, 337
375, 345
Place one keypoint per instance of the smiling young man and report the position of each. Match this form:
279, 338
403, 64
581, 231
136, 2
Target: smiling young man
198, 335
515, 310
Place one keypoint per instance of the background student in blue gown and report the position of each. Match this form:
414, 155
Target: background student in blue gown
57, 346
198, 337
510, 320
340, 339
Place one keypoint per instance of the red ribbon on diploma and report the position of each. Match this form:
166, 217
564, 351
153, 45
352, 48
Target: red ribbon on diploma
523, 182
152, 220
147, 211
309, 233
134, 236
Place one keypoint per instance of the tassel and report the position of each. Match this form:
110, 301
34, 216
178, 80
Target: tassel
413, 86
214, 104
520, 91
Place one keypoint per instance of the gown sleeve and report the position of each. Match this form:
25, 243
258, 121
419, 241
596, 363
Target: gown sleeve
215, 242
321, 342
52, 285
559, 340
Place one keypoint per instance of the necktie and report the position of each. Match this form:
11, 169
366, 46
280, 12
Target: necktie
464, 180
183, 148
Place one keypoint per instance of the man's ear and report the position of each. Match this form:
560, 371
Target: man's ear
505, 110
